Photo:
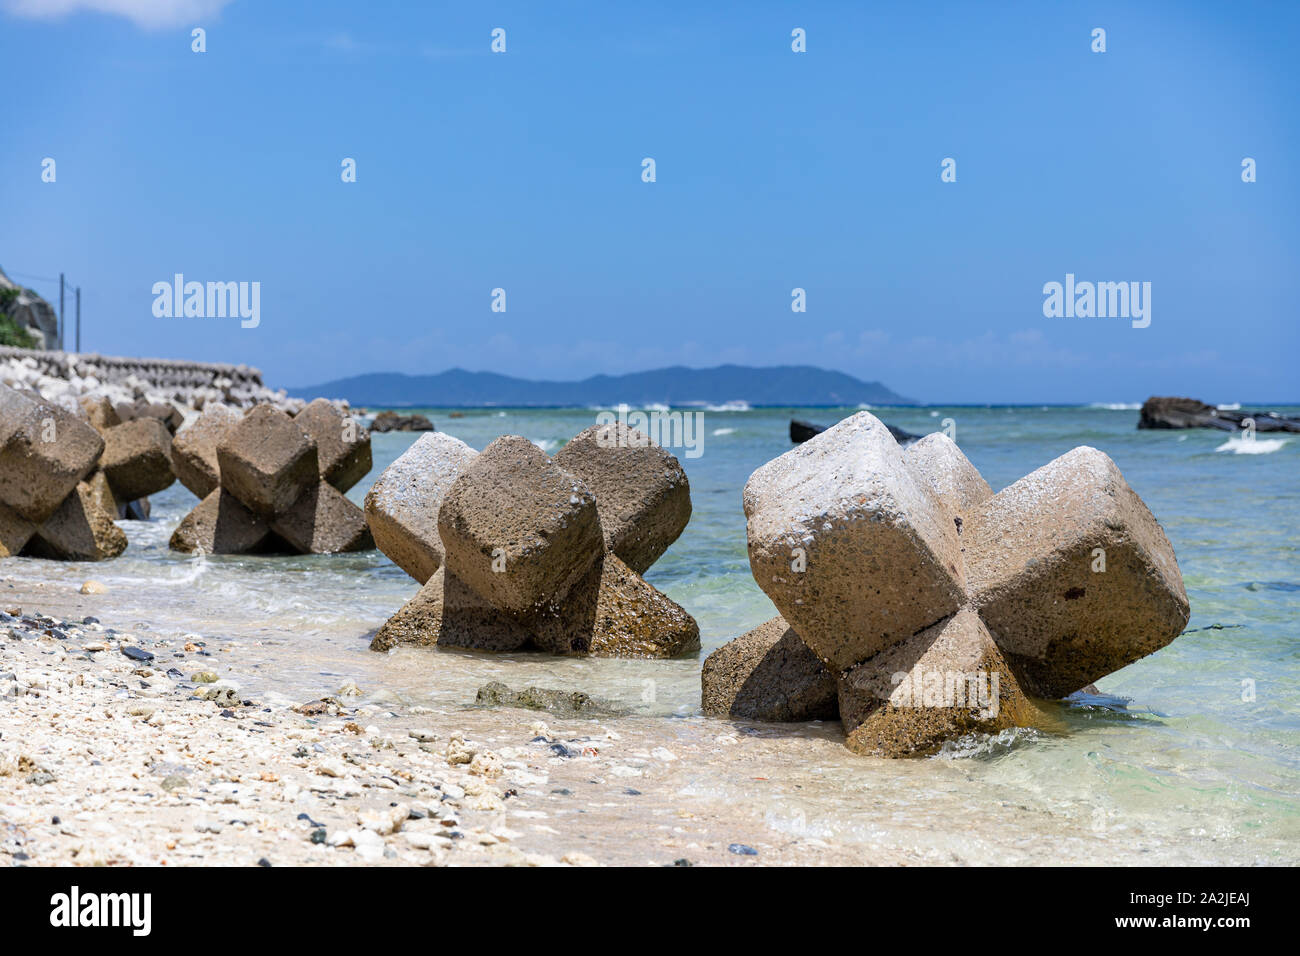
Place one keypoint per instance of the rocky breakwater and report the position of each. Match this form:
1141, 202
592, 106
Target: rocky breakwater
66, 377
271, 482
48, 507
918, 606
516, 549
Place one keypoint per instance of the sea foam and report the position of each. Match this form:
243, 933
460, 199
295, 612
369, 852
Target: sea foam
1252, 446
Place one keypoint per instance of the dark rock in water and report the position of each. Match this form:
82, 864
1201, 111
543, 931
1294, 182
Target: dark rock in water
393, 422
137, 510
562, 703
801, 431
1173, 412
137, 654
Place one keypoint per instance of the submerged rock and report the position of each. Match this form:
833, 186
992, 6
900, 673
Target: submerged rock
561, 703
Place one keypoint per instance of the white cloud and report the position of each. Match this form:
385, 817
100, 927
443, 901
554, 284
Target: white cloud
150, 14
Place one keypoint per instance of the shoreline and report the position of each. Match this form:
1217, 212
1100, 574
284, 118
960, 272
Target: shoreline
1155, 784
107, 759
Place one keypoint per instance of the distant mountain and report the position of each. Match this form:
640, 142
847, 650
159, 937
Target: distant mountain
778, 385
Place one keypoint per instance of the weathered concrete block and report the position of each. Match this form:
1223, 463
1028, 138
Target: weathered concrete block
768, 674
102, 492
99, 412
446, 612
46, 451
15, 532
937, 685
137, 458
853, 548
266, 461
1072, 574
79, 531
323, 521
613, 612
164, 412
955, 481
220, 524
642, 494
517, 528
402, 505
342, 445
194, 449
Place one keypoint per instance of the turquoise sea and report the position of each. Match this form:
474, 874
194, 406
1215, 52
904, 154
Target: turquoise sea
1194, 757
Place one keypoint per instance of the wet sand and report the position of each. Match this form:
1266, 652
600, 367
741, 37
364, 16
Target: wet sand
110, 760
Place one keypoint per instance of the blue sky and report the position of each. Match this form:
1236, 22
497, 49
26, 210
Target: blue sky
775, 170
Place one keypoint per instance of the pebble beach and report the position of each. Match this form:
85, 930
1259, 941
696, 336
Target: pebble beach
120, 748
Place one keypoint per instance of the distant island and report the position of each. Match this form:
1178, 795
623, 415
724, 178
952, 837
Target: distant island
800, 385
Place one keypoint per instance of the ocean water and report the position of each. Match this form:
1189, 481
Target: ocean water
1190, 755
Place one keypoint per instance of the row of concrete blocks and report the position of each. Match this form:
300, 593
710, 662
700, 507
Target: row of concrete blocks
905, 586
65, 478
916, 606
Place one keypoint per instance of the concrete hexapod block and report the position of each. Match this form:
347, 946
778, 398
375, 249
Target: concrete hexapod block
271, 493
517, 528
266, 461
1073, 574
402, 505
518, 557
137, 458
45, 451
920, 582
342, 445
46, 508
853, 548
194, 449
642, 494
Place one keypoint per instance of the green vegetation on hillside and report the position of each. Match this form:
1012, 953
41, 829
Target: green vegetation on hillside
11, 333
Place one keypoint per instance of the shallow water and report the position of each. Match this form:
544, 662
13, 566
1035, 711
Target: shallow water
1187, 769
